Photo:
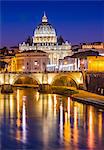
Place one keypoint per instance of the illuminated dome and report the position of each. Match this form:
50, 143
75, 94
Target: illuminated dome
44, 32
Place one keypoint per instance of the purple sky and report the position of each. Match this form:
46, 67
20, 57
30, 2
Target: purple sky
76, 21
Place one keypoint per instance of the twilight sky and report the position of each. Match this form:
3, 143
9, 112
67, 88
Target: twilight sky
76, 21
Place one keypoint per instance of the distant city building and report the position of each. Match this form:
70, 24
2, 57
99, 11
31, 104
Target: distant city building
6, 55
3, 65
14, 49
67, 64
29, 61
95, 64
75, 48
45, 39
95, 46
88, 60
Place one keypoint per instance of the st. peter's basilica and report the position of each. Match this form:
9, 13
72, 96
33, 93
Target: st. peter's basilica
45, 39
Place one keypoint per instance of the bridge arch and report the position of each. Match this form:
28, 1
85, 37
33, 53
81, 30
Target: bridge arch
29, 79
65, 80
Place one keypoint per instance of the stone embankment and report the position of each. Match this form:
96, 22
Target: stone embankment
80, 95
89, 98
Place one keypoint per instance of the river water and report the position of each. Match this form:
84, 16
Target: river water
34, 121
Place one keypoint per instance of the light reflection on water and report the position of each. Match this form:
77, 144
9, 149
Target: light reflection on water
29, 120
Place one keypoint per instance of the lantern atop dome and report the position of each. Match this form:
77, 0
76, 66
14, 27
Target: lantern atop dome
44, 18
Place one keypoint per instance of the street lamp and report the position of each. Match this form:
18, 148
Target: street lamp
23, 67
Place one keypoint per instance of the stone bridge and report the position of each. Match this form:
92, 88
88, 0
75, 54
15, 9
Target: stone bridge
41, 78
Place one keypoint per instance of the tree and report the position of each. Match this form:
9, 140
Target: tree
4, 51
3, 65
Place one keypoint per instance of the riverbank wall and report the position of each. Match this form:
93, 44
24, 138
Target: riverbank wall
95, 83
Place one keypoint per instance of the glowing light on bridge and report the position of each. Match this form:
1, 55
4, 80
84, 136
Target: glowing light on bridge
23, 67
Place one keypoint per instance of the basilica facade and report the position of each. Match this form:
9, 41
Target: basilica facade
45, 39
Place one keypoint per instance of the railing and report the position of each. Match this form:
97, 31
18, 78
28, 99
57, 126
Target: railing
42, 72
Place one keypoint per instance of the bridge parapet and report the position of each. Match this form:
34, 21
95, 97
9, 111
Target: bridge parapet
11, 78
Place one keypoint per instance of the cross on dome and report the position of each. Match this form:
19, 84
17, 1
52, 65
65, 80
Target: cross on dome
44, 18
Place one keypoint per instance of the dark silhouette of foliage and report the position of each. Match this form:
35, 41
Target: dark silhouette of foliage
3, 65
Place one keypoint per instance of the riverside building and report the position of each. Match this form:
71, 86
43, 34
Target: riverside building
29, 61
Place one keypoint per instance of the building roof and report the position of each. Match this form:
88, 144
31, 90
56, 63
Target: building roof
93, 43
33, 51
14, 47
85, 54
